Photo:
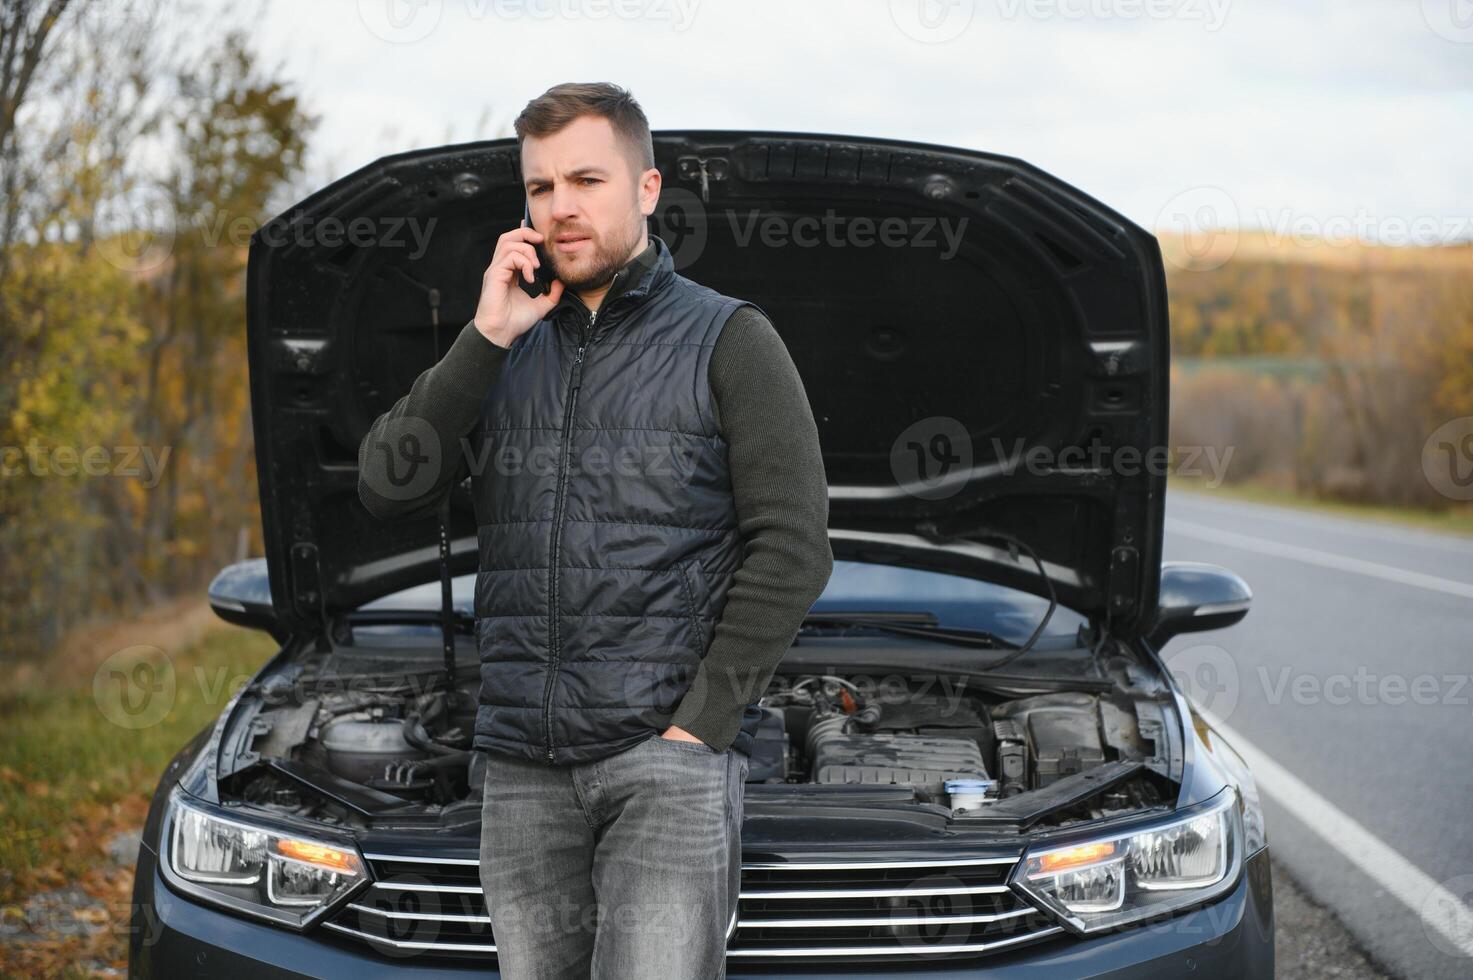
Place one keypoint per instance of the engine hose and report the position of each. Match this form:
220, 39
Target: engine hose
415, 732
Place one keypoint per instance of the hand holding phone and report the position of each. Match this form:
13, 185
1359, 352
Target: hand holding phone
543, 278
503, 314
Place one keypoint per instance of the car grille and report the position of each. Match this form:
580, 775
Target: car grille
815, 912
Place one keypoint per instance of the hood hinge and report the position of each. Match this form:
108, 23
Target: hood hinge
703, 169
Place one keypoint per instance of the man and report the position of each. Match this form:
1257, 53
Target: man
652, 512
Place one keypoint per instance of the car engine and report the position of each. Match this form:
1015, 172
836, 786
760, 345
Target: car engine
346, 755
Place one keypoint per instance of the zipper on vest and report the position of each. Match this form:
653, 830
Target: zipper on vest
576, 381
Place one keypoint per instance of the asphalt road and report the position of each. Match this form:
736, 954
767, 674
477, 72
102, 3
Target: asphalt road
1351, 672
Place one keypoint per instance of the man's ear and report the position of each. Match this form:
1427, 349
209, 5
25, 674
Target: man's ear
649, 191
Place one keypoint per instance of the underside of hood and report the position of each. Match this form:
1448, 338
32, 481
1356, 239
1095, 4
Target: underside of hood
984, 347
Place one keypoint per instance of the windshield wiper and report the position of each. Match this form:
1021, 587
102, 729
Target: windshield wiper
922, 625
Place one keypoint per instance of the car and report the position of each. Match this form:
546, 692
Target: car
972, 760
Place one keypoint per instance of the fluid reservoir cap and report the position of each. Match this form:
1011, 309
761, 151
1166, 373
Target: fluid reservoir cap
971, 785
969, 794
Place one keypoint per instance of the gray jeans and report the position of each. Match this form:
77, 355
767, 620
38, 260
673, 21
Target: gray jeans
624, 868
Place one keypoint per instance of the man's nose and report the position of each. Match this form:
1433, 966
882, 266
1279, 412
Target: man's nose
564, 208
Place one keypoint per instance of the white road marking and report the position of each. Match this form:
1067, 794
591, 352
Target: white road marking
1325, 559
1413, 537
1437, 908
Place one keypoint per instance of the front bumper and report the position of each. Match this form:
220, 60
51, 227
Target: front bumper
172, 936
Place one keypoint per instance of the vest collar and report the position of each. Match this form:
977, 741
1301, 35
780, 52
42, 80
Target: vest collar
649, 272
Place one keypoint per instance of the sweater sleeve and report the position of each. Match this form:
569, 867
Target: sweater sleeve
780, 492
425, 428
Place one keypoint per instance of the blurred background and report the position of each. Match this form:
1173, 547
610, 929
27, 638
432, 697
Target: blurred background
1303, 164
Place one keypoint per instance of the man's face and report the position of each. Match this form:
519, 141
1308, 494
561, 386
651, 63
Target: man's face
588, 200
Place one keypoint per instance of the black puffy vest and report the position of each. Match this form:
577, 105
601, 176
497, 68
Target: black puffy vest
607, 530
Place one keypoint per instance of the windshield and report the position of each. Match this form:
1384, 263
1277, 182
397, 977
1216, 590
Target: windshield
855, 586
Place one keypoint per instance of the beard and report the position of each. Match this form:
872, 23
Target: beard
605, 257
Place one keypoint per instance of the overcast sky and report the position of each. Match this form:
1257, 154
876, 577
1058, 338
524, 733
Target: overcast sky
1344, 113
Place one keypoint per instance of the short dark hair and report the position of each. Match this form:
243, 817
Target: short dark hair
561, 104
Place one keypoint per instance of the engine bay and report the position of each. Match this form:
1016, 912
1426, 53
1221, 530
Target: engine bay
349, 755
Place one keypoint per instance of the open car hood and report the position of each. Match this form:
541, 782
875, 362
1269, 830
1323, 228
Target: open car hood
984, 347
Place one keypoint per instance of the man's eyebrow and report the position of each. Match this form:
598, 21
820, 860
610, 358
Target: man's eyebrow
574, 174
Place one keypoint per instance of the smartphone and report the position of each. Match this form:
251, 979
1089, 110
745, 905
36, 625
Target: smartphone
542, 283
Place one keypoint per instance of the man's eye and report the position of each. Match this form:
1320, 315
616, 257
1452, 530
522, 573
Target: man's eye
590, 180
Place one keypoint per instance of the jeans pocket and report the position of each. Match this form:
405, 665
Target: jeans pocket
696, 746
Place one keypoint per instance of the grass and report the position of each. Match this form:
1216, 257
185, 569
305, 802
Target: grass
1454, 521
82, 753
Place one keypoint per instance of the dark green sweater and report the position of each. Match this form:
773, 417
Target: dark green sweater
778, 486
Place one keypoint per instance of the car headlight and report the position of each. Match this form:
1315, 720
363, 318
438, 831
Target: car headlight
255, 869
1103, 882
